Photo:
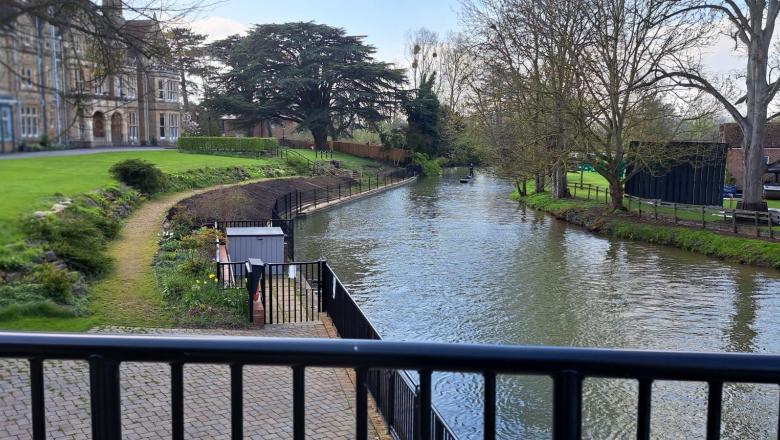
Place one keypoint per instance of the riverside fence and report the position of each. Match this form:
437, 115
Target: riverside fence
756, 224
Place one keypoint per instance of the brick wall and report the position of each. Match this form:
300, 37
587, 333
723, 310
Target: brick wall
731, 134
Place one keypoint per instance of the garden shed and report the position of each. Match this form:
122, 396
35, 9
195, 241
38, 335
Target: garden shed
265, 243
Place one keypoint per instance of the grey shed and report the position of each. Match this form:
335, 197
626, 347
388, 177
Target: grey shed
266, 244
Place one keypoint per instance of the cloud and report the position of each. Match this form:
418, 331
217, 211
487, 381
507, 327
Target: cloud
218, 28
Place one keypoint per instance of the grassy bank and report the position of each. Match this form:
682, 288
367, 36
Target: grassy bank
593, 216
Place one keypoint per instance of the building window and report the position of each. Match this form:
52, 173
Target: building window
78, 80
131, 87
27, 77
30, 122
173, 94
133, 126
162, 125
6, 129
99, 90
119, 86
98, 125
160, 89
173, 126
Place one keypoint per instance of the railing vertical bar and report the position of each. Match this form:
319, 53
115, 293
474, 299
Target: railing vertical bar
567, 405
105, 398
299, 403
177, 400
490, 406
361, 405
37, 399
236, 402
425, 405
714, 406
644, 409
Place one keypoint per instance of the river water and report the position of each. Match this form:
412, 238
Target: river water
443, 261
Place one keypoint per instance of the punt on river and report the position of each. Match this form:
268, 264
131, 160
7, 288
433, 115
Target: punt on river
397, 375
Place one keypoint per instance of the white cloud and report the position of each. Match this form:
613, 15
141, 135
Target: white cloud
218, 28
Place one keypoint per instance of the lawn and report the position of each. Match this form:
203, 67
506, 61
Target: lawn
347, 160
29, 184
597, 180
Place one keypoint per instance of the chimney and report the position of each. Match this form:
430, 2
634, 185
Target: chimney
112, 9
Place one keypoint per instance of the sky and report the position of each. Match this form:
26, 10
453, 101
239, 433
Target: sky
385, 23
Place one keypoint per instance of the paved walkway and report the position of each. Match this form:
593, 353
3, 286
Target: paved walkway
75, 152
145, 388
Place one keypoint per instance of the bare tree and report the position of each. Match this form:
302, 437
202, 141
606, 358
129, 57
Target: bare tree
629, 40
456, 66
422, 48
752, 24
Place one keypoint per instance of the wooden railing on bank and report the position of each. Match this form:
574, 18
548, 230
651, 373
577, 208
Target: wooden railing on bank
366, 150
759, 224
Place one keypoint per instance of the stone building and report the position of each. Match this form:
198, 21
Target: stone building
50, 92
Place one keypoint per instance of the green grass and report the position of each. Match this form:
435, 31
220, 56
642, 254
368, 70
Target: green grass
29, 184
591, 215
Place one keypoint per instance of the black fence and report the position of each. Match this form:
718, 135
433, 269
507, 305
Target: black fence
568, 367
231, 274
290, 292
758, 224
406, 407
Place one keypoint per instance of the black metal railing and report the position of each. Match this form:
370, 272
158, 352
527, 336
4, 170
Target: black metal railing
567, 367
291, 292
398, 399
231, 274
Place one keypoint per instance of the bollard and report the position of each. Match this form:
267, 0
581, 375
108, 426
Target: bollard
755, 216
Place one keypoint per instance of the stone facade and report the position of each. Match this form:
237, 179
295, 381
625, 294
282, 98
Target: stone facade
50, 92
731, 134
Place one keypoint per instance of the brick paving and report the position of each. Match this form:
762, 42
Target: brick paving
146, 396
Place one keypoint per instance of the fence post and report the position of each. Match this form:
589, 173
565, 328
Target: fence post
597, 193
339, 191
315, 198
369, 182
105, 397
755, 216
703, 220
674, 205
734, 220
639, 202
655, 209
769, 223
589, 191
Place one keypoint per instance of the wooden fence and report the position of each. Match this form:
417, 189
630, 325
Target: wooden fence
369, 151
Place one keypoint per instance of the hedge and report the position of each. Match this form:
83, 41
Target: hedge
204, 144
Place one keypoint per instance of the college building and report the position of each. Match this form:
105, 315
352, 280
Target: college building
51, 92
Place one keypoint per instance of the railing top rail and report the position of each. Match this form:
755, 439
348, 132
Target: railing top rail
293, 263
350, 353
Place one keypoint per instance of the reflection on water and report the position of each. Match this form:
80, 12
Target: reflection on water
444, 261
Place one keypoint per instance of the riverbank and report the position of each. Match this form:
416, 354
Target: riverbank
592, 216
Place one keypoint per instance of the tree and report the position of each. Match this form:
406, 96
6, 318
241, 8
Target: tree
186, 52
310, 73
422, 48
423, 134
752, 24
456, 66
628, 41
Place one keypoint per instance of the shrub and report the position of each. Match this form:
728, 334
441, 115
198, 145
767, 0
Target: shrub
428, 167
205, 144
139, 174
57, 282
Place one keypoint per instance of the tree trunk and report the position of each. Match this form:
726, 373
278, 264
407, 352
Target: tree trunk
616, 195
524, 191
538, 183
184, 94
320, 136
560, 189
754, 126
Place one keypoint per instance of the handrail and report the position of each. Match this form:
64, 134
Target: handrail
567, 366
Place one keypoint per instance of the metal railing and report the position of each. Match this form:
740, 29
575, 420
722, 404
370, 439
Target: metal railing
759, 224
398, 399
291, 292
567, 367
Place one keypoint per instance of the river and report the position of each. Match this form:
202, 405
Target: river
443, 261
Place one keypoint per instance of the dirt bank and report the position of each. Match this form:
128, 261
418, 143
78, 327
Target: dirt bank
247, 202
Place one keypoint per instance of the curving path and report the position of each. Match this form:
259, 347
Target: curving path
130, 296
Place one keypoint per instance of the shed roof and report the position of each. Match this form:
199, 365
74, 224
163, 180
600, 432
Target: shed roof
253, 232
